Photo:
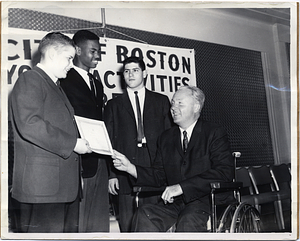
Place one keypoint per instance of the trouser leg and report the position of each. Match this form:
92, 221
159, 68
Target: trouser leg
98, 215
126, 211
71, 218
192, 218
160, 217
94, 207
44, 218
154, 218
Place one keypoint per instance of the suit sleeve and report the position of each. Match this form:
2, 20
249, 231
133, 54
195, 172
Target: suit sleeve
28, 110
222, 168
166, 110
109, 123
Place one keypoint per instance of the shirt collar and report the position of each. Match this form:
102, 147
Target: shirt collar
189, 130
52, 77
141, 92
84, 74
81, 71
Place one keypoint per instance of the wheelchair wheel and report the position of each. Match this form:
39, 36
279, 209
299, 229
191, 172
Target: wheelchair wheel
246, 219
226, 219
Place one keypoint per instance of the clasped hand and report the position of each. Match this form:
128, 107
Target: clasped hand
171, 192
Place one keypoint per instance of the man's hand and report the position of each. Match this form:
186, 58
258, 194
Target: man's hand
82, 146
113, 186
123, 164
171, 192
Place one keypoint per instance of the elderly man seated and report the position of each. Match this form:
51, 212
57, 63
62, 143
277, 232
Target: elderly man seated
189, 157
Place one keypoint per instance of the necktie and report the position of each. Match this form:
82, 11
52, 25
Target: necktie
185, 141
139, 116
58, 85
93, 89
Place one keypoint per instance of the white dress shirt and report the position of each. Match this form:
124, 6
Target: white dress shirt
141, 95
84, 75
189, 131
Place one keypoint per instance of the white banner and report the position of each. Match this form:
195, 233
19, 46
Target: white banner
167, 68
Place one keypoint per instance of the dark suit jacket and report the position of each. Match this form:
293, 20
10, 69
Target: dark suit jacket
121, 125
85, 105
208, 158
46, 170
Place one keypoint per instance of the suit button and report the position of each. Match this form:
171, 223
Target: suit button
76, 159
184, 163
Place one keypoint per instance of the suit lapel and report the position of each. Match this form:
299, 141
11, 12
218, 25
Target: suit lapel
82, 84
195, 134
99, 90
58, 90
148, 104
127, 104
192, 141
178, 143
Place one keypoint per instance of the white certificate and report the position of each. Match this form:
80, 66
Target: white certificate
95, 132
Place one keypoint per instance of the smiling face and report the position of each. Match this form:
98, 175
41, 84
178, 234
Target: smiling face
62, 60
184, 108
134, 76
87, 54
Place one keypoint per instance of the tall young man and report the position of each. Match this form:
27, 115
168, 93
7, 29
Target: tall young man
134, 121
86, 96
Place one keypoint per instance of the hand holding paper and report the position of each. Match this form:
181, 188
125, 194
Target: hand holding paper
94, 131
122, 163
82, 146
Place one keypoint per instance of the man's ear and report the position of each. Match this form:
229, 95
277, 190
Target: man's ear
51, 52
197, 107
145, 74
78, 50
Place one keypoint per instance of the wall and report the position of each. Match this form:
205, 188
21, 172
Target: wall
222, 27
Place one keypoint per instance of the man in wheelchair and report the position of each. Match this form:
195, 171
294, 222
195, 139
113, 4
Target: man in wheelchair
189, 157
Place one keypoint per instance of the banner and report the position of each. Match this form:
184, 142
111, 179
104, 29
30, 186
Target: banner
167, 68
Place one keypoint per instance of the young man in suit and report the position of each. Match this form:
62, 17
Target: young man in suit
134, 130
189, 157
86, 96
46, 164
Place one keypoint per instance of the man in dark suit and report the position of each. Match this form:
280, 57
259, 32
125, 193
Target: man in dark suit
134, 131
86, 96
189, 157
46, 145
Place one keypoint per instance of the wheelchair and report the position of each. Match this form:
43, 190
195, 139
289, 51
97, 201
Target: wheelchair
233, 216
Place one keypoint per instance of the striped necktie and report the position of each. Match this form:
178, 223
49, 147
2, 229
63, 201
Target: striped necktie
92, 83
185, 141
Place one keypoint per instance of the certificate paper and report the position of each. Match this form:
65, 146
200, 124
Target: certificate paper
94, 131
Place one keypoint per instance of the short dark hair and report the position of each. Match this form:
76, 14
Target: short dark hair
84, 35
55, 39
134, 59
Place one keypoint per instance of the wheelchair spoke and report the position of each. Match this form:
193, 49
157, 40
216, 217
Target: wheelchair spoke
245, 220
226, 219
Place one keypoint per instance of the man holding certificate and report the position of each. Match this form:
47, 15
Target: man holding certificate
85, 93
46, 180
134, 121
